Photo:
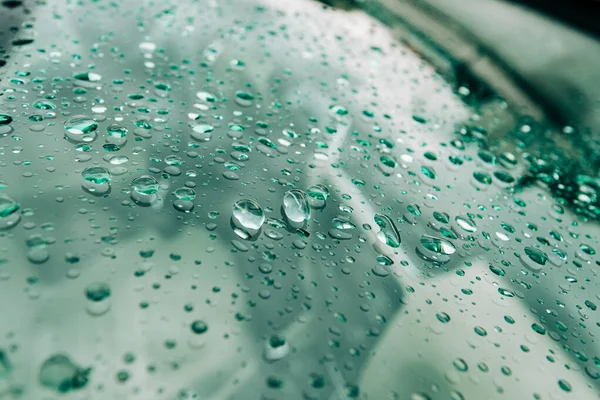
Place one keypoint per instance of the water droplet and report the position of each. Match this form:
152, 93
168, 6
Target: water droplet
437, 245
497, 270
44, 105
480, 331
118, 160
80, 128
96, 175
116, 134
380, 271
248, 218
460, 364
466, 223
206, 97
9, 216
443, 317
317, 195
5, 119
243, 99
535, 260
482, 178
185, 194
144, 190
276, 348
87, 78
199, 327
296, 208
564, 385
202, 132
97, 291
59, 373
388, 233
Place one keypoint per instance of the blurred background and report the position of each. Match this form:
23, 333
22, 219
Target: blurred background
251, 199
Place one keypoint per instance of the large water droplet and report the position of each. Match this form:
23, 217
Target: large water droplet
97, 291
244, 99
202, 132
535, 259
97, 175
296, 208
465, 223
9, 216
5, 119
87, 79
116, 134
144, 190
317, 195
60, 374
437, 245
80, 128
276, 348
388, 233
247, 219
434, 249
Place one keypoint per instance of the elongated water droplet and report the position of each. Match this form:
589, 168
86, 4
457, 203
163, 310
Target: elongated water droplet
388, 233
295, 207
9, 216
87, 77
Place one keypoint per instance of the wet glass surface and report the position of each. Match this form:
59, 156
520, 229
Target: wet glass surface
266, 200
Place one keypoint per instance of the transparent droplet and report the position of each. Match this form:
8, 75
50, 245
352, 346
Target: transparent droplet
96, 175
247, 219
244, 99
276, 348
60, 374
466, 223
295, 207
97, 291
434, 249
199, 327
202, 132
80, 129
5, 119
437, 245
317, 195
206, 97
87, 77
118, 160
185, 193
144, 189
535, 259
116, 134
9, 216
388, 233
